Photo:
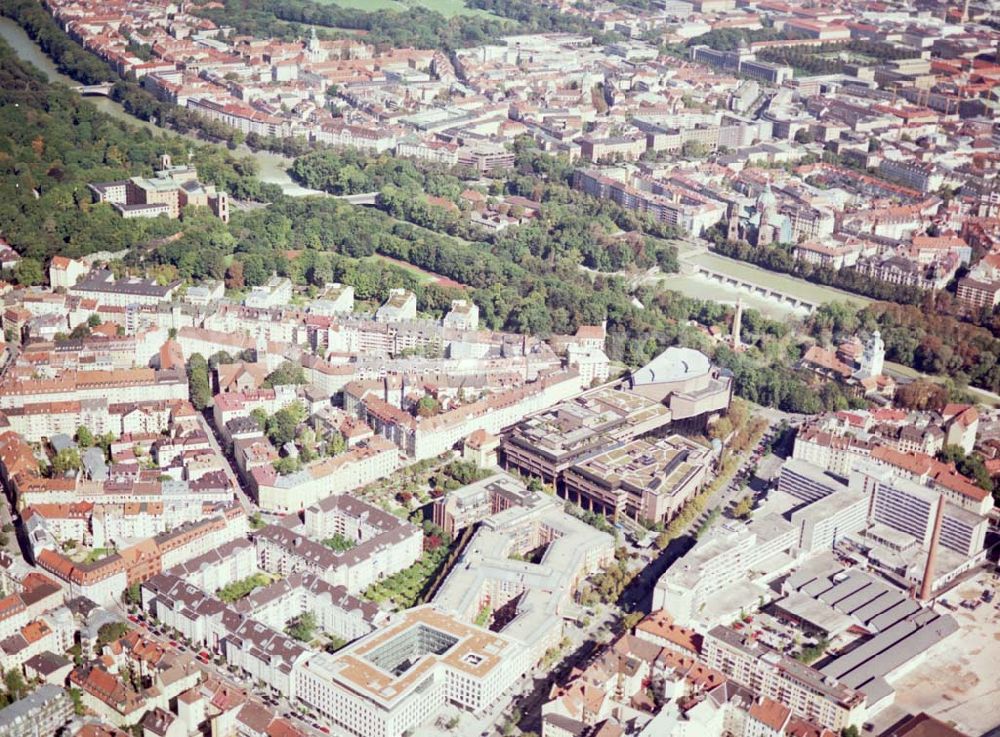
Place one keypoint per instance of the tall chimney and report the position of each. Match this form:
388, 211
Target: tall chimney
928, 584
737, 324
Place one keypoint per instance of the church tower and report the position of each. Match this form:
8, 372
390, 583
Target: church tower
733, 222
873, 357
767, 207
313, 50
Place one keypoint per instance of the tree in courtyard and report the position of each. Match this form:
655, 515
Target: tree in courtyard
110, 632
743, 508
630, 620
303, 627
198, 381
84, 437
335, 443
286, 373
67, 459
15, 685
286, 465
132, 595
428, 406
259, 415
234, 275
29, 272
283, 424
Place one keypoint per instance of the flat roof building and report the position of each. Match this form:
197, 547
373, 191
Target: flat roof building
548, 443
400, 676
645, 480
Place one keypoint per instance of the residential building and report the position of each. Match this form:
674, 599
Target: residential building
772, 674
41, 713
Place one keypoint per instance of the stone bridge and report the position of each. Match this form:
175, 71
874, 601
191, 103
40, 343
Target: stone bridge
104, 89
362, 198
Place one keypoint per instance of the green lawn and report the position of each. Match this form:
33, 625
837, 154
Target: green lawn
95, 555
447, 8
423, 276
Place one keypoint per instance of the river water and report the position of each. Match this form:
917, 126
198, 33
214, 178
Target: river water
272, 167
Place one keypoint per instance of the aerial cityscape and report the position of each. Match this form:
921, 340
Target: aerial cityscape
499, 368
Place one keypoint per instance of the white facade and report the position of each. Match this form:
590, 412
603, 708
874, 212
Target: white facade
351, 470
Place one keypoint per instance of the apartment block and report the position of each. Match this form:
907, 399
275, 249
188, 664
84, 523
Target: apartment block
766, 672
383, 544
375, 459
41, 713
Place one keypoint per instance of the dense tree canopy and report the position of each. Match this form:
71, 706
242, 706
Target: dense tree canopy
53, 143
416, 26
525, 279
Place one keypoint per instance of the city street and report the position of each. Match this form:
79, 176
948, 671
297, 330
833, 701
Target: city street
639, 594
241, 495
280, 705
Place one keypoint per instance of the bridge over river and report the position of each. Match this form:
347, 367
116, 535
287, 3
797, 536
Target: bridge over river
91, 90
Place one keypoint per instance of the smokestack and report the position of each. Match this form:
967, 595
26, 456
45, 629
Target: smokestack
928, 583
737, 324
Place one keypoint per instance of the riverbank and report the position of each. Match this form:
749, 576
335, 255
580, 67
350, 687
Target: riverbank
907, 373
272, 167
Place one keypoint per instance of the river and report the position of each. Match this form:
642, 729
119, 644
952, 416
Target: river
272, 167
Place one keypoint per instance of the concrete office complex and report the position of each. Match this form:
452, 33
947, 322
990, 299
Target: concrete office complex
910, 508
548, 443
528, 601
726, 570
645, 480
398, 677
900, 537
471, 503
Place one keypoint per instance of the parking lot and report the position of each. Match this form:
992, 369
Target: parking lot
957, 680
